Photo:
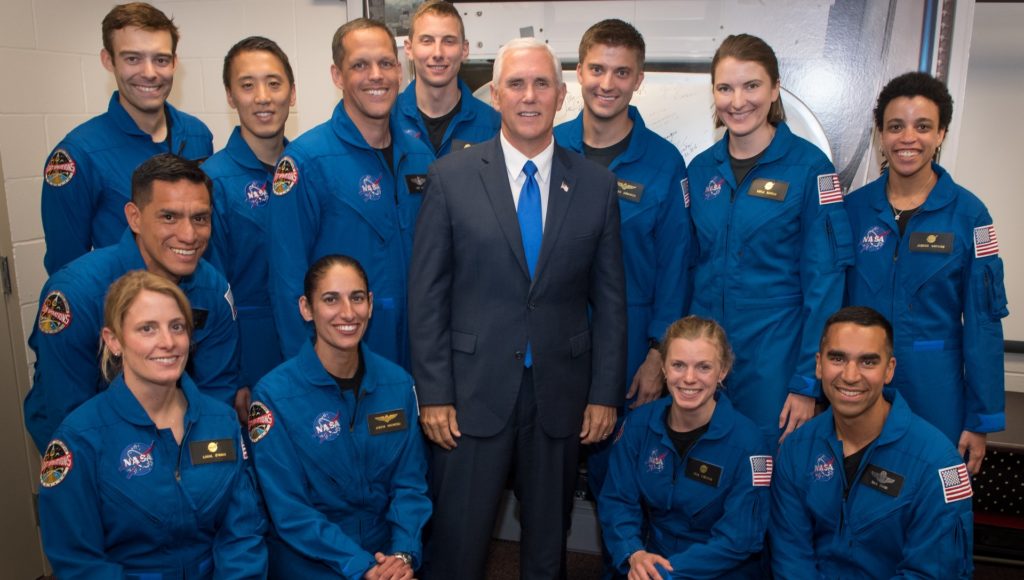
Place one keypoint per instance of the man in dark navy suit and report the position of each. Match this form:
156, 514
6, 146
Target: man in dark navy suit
517, 322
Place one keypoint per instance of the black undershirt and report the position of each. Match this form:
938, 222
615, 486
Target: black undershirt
389, 155
605, 155
684, 440
741, 167
436, 126
355, 381
852, 462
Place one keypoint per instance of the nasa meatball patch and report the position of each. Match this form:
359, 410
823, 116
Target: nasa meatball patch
260, 421
56, 465
137, 460
59, 169
286, 176
54, 313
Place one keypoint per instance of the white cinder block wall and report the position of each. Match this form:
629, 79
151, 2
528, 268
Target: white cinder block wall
49, 57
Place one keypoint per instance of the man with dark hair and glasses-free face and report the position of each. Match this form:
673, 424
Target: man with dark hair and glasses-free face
87, 178
867, 489
351, 186
437, 107
260, 86
168, 230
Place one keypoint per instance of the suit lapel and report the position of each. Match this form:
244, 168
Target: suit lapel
560, 191
495, 181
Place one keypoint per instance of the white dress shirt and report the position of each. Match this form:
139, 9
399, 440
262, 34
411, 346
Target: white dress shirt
514, 162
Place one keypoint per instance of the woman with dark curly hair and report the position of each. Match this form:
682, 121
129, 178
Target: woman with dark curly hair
928, 259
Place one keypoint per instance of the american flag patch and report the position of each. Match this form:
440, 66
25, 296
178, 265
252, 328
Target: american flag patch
985, 241
685, 186
956, 485
829, 190
761, 470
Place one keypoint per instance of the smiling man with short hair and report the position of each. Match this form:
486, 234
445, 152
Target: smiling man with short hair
350, 186
437, 107
169, 227
88, 174
517, 319
867, 489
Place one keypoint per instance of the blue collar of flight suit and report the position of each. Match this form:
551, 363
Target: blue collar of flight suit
240, 152
128, 407
314, 372
943, 193
408, 107
721, 424
777, 149
637, 144
126, 124
896, 425
347, 132
131, 259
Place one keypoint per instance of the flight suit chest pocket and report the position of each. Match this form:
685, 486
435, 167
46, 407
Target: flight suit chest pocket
701, 487
926, 267
877, 516
771, 221
139, 497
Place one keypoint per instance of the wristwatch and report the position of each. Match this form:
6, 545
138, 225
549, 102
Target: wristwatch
404, 556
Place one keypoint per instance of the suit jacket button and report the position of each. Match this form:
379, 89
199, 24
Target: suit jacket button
519, 355
531, 306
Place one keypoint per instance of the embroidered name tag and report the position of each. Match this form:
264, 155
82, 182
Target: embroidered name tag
386, 422
211, 451
703, 472
417, 183
936, 243
630, 191
888, 482
769, 189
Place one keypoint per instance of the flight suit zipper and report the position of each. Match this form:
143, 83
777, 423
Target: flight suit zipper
181, 446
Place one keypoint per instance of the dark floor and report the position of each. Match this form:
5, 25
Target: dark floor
504, 565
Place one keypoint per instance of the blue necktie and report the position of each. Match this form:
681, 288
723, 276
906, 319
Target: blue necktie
530, 223
531, 226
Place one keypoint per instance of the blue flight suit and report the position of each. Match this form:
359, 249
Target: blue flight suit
907, 514
239, 249
88, 177
773, 252
336, 497
475, 122
334, 194
656, 245
944, 303
656, 231
66, 335
121, 498
706, 512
